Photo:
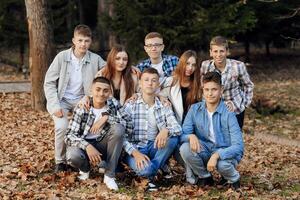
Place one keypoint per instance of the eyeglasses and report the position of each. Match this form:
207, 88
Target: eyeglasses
156, 45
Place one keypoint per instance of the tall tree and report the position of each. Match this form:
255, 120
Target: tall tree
41, 48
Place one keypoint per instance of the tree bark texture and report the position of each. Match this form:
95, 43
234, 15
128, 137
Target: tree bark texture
41, 49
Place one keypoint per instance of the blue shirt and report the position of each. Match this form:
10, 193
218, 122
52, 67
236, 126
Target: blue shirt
169, 64
229, 141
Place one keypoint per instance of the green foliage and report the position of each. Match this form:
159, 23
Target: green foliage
13, 25
185, 24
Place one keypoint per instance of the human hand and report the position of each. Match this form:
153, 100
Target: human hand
59, 113
212, 163
133, 98
194, 143
141, 160
165, 101
98, 125
161, 139
93, 154
84, 103
230, 106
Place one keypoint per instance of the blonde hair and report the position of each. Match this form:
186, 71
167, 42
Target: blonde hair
219, 41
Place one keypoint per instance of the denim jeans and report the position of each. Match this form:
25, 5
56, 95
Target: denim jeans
158, 157
110, 147
198, 163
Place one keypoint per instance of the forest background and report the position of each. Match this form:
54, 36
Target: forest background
265, 34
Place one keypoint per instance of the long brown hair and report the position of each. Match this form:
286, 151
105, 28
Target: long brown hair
195, 93
110, 70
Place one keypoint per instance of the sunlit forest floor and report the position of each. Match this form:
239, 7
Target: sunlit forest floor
269, 170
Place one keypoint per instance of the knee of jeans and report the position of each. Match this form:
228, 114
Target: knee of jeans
185, 151
118, 130
75, 157
223, 166
172, 142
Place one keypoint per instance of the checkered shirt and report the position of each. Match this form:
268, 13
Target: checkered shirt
238, 87
138, 111
83, 120
169, 64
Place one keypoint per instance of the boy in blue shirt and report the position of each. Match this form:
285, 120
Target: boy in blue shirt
212, 137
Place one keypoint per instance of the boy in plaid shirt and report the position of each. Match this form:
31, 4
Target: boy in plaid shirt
237, 86
164, 64
88, 142
154, 137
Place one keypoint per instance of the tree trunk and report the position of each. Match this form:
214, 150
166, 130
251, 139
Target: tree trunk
41, 49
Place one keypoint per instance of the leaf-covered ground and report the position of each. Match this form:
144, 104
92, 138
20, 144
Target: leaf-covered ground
269, 170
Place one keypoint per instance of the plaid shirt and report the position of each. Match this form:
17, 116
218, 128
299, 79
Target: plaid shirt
138, 110
169, 64
83, 120
238, 87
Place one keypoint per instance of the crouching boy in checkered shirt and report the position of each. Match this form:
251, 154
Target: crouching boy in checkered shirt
89, 143
154, 137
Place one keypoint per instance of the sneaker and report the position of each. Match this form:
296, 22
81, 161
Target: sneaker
236, 185
152, 187
83, 175
61, 167
110, 183
167, 172
222, 182
206, 181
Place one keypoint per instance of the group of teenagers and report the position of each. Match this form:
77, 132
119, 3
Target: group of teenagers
142, 115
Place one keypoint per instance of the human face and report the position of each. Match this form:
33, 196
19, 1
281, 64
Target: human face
100, 93
190, 66
212, 92
149, 83
219, 54
154, 47
121, 61
81, 43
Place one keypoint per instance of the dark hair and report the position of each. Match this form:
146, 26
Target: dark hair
84, 30
212, 77
150, 70
110, 70
101, 79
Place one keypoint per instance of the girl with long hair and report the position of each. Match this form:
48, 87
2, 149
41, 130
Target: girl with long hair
183, 88
118, 69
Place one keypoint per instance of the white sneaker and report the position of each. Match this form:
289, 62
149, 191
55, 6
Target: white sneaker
110, 183
83, 175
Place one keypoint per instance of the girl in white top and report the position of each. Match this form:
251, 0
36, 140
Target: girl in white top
183, 88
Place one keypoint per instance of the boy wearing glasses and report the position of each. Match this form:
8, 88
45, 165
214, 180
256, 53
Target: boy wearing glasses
164, 64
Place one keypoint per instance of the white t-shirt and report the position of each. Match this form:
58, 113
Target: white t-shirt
74, 88
152, 125
98, 114
160, 70
211, 134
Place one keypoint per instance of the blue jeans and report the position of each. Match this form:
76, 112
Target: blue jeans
158, 157
198, 163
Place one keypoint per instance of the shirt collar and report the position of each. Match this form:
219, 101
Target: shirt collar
157, 103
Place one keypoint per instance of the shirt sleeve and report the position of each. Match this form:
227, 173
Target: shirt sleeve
172, 125
247, 85
237, 144
72, 136
128, 146
50, 85
188, 126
